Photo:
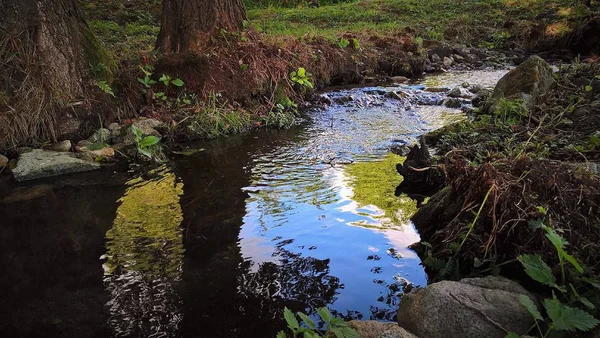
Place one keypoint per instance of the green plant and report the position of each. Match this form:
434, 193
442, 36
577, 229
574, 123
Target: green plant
145, 145
562, 313
510, 112
343, 43
355, 43
333, 326
105, 87
279, 117
301, 77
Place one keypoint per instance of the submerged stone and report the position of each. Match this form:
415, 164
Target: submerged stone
43, 163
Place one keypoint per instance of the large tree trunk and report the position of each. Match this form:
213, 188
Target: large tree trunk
45, 51
187, 25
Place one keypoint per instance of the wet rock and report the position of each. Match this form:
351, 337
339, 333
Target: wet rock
458, 58
435, 58
442, 50
459, 92
343, 99
393, 96
459, 309
453, 102
61, 146
448, 62
375, 92
527, 82
42, 163
399, 79
437, 89
82, 146
476, 89
3, 161
481, 97
102, 135
375, 329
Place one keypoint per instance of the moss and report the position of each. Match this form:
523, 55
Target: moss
98, 58
374, 184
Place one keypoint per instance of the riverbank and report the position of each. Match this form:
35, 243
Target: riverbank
521, 188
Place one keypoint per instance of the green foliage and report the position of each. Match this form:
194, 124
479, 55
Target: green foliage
510, 112
279, 117
343, 43
147, 146
105, 87
301, 78
561, 317
538, 270
565, 318
307, 329
212, 119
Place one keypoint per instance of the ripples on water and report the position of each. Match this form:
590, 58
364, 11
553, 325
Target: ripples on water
217, 243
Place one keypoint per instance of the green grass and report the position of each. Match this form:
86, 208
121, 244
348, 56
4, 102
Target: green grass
432, 18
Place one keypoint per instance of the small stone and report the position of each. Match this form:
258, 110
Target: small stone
458, 58
448, 62
3, 161
476, 89
465, 85
437, 89
82, 146
452, 102
62, 146
148, 126
114, 126
435, 58
399, 79
393, 96
100, 136
460, 92
106, 152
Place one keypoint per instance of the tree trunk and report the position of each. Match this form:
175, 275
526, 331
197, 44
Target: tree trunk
46, 48
55, 30
187, 25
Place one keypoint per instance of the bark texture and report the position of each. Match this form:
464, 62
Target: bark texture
187, 25
55, 33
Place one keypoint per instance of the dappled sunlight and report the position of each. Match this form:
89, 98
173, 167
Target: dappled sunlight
557, 29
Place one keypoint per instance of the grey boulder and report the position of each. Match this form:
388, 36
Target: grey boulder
375, 329
470, 308
526, 82
42, 163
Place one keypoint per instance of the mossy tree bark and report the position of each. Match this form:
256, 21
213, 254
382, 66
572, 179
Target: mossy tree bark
56, 31
46, 48
187, 25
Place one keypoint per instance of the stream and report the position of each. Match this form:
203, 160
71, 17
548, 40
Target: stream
219, 240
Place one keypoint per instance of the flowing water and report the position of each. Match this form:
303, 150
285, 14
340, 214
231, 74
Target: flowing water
217, 242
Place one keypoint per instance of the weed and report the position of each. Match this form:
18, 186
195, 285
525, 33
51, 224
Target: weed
148, 146
333, 326
301, 78
105, 87
563, 311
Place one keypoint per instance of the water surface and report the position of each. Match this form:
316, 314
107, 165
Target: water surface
217, 243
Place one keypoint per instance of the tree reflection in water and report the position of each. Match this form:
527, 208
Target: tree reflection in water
144, 258
294, 279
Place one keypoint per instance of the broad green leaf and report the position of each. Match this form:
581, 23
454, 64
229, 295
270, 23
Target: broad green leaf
338, 332
281, 334
309, 322
588, 88
163, 78
290, 319
349, 332
530, 306
537, 269
509, 335
301, 72
145, 152
338, 322
324, 314
566, 318
310, 334
560, 244
177, 82
149, 141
